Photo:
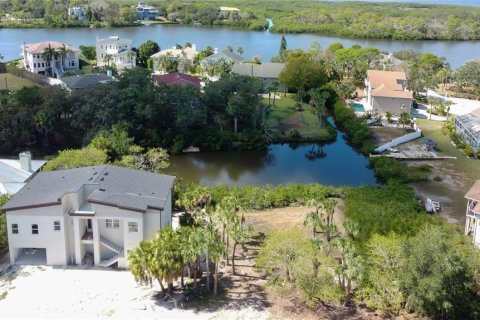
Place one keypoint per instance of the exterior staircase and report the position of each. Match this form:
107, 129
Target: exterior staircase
113, 247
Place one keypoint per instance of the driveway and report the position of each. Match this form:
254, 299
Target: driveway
459, 106
422, 113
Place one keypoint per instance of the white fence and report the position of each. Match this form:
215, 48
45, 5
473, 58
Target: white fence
405, 138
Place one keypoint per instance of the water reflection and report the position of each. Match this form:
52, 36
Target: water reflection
331, 164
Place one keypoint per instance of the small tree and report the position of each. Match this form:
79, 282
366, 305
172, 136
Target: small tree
404, 119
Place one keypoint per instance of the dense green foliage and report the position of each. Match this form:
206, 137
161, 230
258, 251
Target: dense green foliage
391, 171
54, 14
402, 21
155, 116
357, 129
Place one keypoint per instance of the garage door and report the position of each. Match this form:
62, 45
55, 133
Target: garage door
32, 256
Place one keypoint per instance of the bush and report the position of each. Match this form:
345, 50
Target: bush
468, 150
294, 134
356, 128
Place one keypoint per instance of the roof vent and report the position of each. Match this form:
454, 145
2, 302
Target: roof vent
95, 173
102, 179
90, 179
105, 174
101, 189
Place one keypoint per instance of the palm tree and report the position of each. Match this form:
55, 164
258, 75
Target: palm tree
63, 52
168, 259
214, 250
141, 263
189, 246
107, 59
275, 85
239, 234
48, 55
130, 55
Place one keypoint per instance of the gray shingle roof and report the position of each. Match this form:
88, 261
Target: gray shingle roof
121, 187
85, 80
264, 70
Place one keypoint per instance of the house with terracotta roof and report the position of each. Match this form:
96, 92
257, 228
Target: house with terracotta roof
64, 58
90, 215
177, 79
468, 127
472, 223
387, 91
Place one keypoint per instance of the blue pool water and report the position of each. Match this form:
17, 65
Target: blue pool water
358, 107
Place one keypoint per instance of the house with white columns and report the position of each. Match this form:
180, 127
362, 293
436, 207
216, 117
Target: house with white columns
116, 51
472, 223
90, 215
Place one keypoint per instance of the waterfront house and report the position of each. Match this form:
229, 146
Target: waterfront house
84, 81
468, 127
267, 72
472, 223
50, 58
177, 79
183, 56
14, 173
224, 56
146, 12
387, 91
77, 12
115, 51
90, 214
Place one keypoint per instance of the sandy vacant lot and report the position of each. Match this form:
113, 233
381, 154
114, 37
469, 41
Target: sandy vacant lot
46, 292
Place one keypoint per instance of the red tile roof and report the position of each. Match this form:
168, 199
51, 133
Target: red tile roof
177, 78
41, 46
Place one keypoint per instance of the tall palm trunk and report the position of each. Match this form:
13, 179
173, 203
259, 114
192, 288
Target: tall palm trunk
207, 263
215, 283
235, 124
233, 257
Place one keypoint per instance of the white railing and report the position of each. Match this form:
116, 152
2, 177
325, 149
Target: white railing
110, 245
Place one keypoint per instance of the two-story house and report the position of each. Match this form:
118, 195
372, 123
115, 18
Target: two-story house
92, 213
50, 58
387, 91
115, 51
472, 223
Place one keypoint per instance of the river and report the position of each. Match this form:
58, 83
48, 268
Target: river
262, 43
336, 164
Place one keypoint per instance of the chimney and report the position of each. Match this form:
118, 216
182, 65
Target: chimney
215, 50
26, 161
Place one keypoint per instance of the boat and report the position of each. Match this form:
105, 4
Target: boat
432, 206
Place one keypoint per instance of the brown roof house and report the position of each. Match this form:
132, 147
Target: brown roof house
177, 79
387, 91
472, 223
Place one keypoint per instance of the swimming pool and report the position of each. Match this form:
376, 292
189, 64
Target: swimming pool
358, 107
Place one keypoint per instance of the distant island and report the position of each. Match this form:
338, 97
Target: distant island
373, 20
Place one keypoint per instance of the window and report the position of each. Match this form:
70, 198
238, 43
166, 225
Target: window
34, 65
132, 227
14, 228
56, 226
112, 223
43, 64
34, 228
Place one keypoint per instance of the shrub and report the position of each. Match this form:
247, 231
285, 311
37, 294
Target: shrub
294, 134
468, 150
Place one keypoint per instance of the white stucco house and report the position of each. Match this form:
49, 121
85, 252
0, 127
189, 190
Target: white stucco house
115, 51
93, 213
65, 58
472, 223
387, 91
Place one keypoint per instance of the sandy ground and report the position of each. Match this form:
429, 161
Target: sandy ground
85, 293
66, 293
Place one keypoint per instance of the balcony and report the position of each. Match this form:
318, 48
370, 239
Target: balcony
85, 210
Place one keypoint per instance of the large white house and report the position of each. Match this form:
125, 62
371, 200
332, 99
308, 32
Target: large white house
116, 51
472, 223
92, 213
63, 58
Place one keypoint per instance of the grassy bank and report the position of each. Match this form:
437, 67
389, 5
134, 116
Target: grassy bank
10, 82
295, 125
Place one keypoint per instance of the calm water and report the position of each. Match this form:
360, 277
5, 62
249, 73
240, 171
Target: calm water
334, 164
262, 43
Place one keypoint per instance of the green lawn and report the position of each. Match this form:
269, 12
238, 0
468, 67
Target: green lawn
11, 82
285, 118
